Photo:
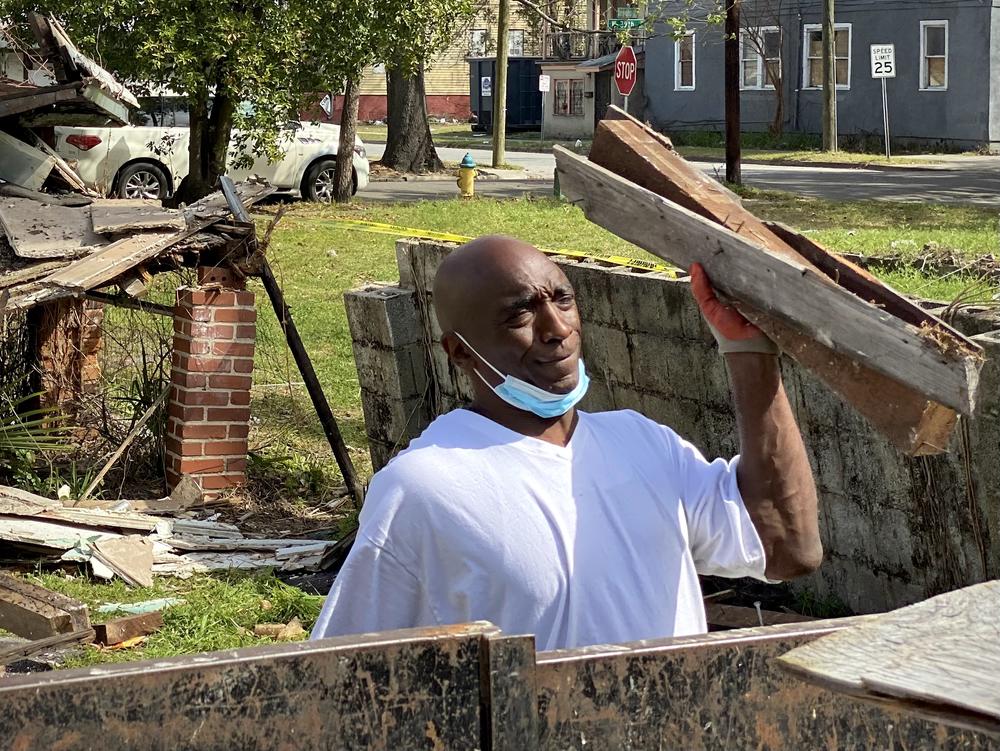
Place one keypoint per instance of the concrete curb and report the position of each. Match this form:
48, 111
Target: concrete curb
481, 177
831, 165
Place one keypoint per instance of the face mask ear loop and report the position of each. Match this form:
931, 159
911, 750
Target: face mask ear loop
488, 363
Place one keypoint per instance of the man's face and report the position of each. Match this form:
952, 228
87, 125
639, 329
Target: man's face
530, 327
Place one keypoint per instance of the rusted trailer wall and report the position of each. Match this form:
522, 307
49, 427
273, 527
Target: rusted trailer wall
391, 691
460, 688
719, 692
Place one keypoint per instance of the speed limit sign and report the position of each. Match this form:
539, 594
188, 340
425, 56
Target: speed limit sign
883, 61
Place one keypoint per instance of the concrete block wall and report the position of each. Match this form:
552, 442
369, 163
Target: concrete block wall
211, 377
895, 529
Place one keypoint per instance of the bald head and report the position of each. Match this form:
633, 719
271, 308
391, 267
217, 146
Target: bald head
481, 270
502, 302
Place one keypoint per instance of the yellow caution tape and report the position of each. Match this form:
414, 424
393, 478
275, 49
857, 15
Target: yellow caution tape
380, 228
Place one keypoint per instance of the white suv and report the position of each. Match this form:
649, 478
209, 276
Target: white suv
150, 160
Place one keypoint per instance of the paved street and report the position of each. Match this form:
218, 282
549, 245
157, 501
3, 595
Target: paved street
973, 180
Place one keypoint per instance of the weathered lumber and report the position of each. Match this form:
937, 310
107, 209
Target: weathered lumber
933, 361
117, 216
737, 616
40, 230
940, 657
910, 420
36, 613
127, 627
28, 648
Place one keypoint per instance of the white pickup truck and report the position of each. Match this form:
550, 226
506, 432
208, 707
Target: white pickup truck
149, 161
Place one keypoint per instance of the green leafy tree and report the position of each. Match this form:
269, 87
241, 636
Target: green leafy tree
244, 66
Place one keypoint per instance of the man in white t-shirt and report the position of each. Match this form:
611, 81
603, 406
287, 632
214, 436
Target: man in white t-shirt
578, 528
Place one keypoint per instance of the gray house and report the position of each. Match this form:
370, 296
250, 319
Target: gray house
946, 89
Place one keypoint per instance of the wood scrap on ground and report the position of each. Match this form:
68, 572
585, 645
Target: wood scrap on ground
119, 630
20, 650
135, 545
903, 369
35, 612
938, 659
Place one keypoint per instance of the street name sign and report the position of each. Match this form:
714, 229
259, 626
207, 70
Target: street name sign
623, 24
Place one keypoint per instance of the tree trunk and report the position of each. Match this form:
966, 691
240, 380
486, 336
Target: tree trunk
208, 144
778, 122
348, 132
409, 146
732, 93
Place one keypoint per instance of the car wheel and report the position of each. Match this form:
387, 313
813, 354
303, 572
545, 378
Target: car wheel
142, 180
320, 183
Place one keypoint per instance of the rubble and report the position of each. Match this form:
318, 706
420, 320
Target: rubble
136, 546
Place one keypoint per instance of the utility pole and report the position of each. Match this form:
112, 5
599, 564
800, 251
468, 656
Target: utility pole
500, 86
732, 85
829, 79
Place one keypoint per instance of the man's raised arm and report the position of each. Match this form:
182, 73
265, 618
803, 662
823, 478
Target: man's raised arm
774, 475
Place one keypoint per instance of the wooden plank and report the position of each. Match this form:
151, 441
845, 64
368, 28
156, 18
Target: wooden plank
26, 649
776, 285
35, 612
118, 216
127, 627
41, 230
943, 652
736, 616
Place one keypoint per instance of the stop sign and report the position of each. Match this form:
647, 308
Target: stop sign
626, 71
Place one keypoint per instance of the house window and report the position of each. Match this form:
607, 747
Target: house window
934, 55
760, 57
515, 42
478, 39
813, 52
684, 63
568, 99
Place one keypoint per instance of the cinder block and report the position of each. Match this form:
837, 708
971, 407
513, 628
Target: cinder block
397, 373
394, 421
606, 352
383, 314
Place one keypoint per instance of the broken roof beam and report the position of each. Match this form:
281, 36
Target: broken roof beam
843, 337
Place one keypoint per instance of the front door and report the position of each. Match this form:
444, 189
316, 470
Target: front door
603, 83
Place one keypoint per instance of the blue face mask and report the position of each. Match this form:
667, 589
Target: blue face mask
530, 398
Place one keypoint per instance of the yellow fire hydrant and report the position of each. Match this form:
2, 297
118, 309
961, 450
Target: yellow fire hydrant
467, 177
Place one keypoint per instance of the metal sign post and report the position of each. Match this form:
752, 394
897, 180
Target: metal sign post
884, 66
544, 86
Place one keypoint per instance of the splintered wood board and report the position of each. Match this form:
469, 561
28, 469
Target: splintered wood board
119, 216
41, 230
940, 656
774, 284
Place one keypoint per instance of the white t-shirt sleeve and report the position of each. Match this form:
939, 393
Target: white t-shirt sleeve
372, 592
722, 536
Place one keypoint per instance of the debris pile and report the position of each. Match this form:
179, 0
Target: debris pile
135, 546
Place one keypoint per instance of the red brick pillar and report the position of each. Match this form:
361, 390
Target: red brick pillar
209, 411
